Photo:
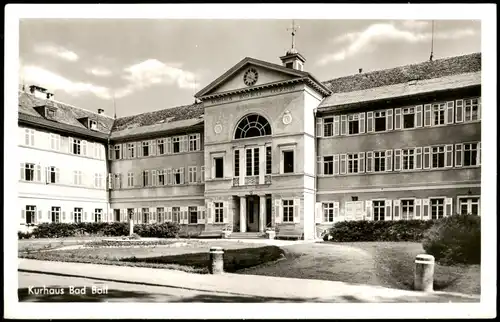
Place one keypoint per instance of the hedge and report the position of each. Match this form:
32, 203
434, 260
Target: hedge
366, 231
55, 230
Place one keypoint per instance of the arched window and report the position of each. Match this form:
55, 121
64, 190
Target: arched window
252, 125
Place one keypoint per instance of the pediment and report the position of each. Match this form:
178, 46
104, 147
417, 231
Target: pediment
233, 79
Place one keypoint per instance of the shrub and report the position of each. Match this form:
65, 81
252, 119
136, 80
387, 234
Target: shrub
357, 231
455, 240
24, 235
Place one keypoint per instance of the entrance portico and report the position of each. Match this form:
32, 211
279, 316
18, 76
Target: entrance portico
254, 213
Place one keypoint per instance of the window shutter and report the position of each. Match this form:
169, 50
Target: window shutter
198, 212
139, 149
23, 172
343, 125
418, 158
448, 207
58, 177
39, 218
369, 160
389, 119
426, 210
336, 164
85, 216
169, 176
38, 173
319, 213
110, 152
277, 211
427, 157
448, 160
296, 210
49, 217
397, 160
84, 147
72, 216
398, 119
181, 171
479, 153
388, 213
343, 161
397, 207
361, 167
23, 216
319, 165
70, 145
388, 160
185, 142
369, 122
168, 212
336, 210
458, 155
418, 209
427, 115
152, 145
361, 122
450, 107
368, 209
169, 145
154, 181
459, 115
418, 116
319, 127
336, 125
63, 216
225, 213
110, 181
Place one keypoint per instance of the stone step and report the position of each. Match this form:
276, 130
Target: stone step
250, 235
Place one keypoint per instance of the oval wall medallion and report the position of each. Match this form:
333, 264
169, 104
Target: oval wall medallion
218, 128
287, 118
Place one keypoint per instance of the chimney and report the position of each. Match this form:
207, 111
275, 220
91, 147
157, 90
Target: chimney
40, 92
100, 111
360, 70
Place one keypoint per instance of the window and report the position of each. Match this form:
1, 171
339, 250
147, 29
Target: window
469, 205
378, 210
145, 178
409, 118
437, 157
93, 125
236, 163
352, 163
52, 175
328, 164
97, 151
219, 212
98, 215
145, 148
117, 180
117, 215
407, 209
470, 154
328, 212
269, 163
30, 215
252, 125
161, 177
117, 152
380, 121
202, 173
77, 177
29, 172
29, 138
77, 215
145, 216
51, 113
130, 179
289, 65
193, 215
131, 150
176, 144
288, 161
471, 110
252, 162
76, 149
219, 167
379, 161
194, 142
354, 210
178, 176
160, 212
328, 126
408, 159
437, 208
438, 111
192, 175
55, 214
161, 146
176, 214
98, 180
55, 142
353, 121
287, 210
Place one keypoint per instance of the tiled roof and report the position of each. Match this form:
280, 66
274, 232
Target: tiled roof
66, 114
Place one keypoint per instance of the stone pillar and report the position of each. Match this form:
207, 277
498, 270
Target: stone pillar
424, 273
262, 213
243, 167
216, 260
243, 214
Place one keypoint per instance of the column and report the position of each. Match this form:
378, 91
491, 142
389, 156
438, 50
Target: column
262, 213
243, 168
262, 164
243, 214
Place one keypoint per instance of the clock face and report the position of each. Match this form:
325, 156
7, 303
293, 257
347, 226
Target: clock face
250, 77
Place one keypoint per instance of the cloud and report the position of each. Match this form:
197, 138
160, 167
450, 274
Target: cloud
45, 78
98, 71
415, 24
56, 51
375, 34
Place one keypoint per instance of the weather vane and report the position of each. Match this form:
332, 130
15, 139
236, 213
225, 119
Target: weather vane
294, 31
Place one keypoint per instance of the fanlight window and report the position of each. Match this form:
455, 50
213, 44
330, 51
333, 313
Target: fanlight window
252, 125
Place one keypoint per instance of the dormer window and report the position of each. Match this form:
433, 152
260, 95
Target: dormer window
289, 65
50, 112
92, 125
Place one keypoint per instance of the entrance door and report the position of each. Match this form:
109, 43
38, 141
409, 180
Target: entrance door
253, 214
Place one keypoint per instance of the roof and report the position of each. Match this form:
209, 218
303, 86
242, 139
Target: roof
66, 114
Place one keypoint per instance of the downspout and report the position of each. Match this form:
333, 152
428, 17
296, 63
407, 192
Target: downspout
315, 170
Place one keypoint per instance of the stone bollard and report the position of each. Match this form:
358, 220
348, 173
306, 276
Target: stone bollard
424, 273
216, 260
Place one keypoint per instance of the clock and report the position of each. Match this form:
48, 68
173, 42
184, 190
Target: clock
250, 77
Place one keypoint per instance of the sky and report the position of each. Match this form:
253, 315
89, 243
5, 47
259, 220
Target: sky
142, 65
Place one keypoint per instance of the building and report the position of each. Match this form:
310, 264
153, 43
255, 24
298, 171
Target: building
265, 145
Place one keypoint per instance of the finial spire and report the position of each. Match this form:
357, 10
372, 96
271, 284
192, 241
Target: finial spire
432, 42
114, 103
294, 31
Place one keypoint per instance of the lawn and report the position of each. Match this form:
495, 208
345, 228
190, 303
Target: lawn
388, 264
